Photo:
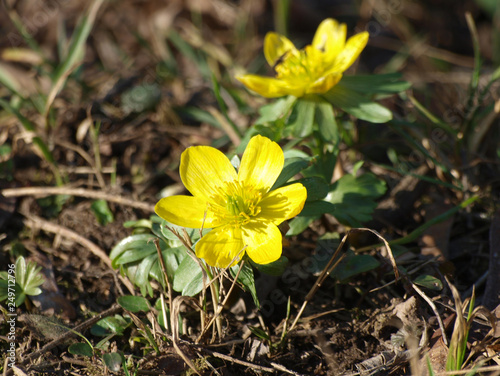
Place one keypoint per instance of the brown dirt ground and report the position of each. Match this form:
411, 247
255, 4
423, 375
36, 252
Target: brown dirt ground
344, 324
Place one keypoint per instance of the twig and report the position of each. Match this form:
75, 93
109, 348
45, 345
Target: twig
174, 317
434, 309
79, 328
37, 222
165, 275
220, 305
282, 368
81, 192
332, 264
477, 371
237, 361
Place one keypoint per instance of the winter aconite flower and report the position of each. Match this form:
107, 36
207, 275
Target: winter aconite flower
239, 206
315, 69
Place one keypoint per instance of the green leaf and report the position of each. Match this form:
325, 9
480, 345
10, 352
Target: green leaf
113, 324
223, 107
246, 278
113, 361
291, 168
259, 333
134, 303
327, 125
193, 233
428, 281
489, 6
358, 105
353, 198
301, 119
8, 80
299, 224
81, 348
276, 110
199, 115
138, 224
140, 98
28, 276
192, 54
324, 163
275, 268
354, 264
132, 248
188, 278
312, 210
142, 274
76, 51
317, 208
173, 258
389, 83
194, 286
102, 212
317, 187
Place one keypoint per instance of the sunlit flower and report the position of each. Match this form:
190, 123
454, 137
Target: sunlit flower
239, 206
315, 69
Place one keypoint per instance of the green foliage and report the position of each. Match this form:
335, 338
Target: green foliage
428, 281
188, 278
291, 168
301, 119
358, 105
116, 324
140, 98
102, 212
354, 264
376, 84
82, 349
351, 200
6, 163
27, 281
246, 278
134, 303
275, 268
114, 361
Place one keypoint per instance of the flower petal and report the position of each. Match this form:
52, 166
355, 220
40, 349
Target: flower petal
261, 163
275, 46
283, 203
325, 83
351, 51
330, 38
204, 169
185, 211
220, 246
268, 87
263, 240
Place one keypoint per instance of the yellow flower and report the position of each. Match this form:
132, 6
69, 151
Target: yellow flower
314, 69
239, 206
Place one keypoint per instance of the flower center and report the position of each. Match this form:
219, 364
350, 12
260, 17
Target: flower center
306, 65
235, 203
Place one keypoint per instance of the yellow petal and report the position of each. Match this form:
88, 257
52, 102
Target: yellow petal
204, 169
220, 246
351, 51
275, 46
261, 163
185, 211
283, 203
330, 38
263, 240
266, 86
325, 83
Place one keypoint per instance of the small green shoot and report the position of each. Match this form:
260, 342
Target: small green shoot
27, 281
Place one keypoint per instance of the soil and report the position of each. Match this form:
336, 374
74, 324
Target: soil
368, 324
